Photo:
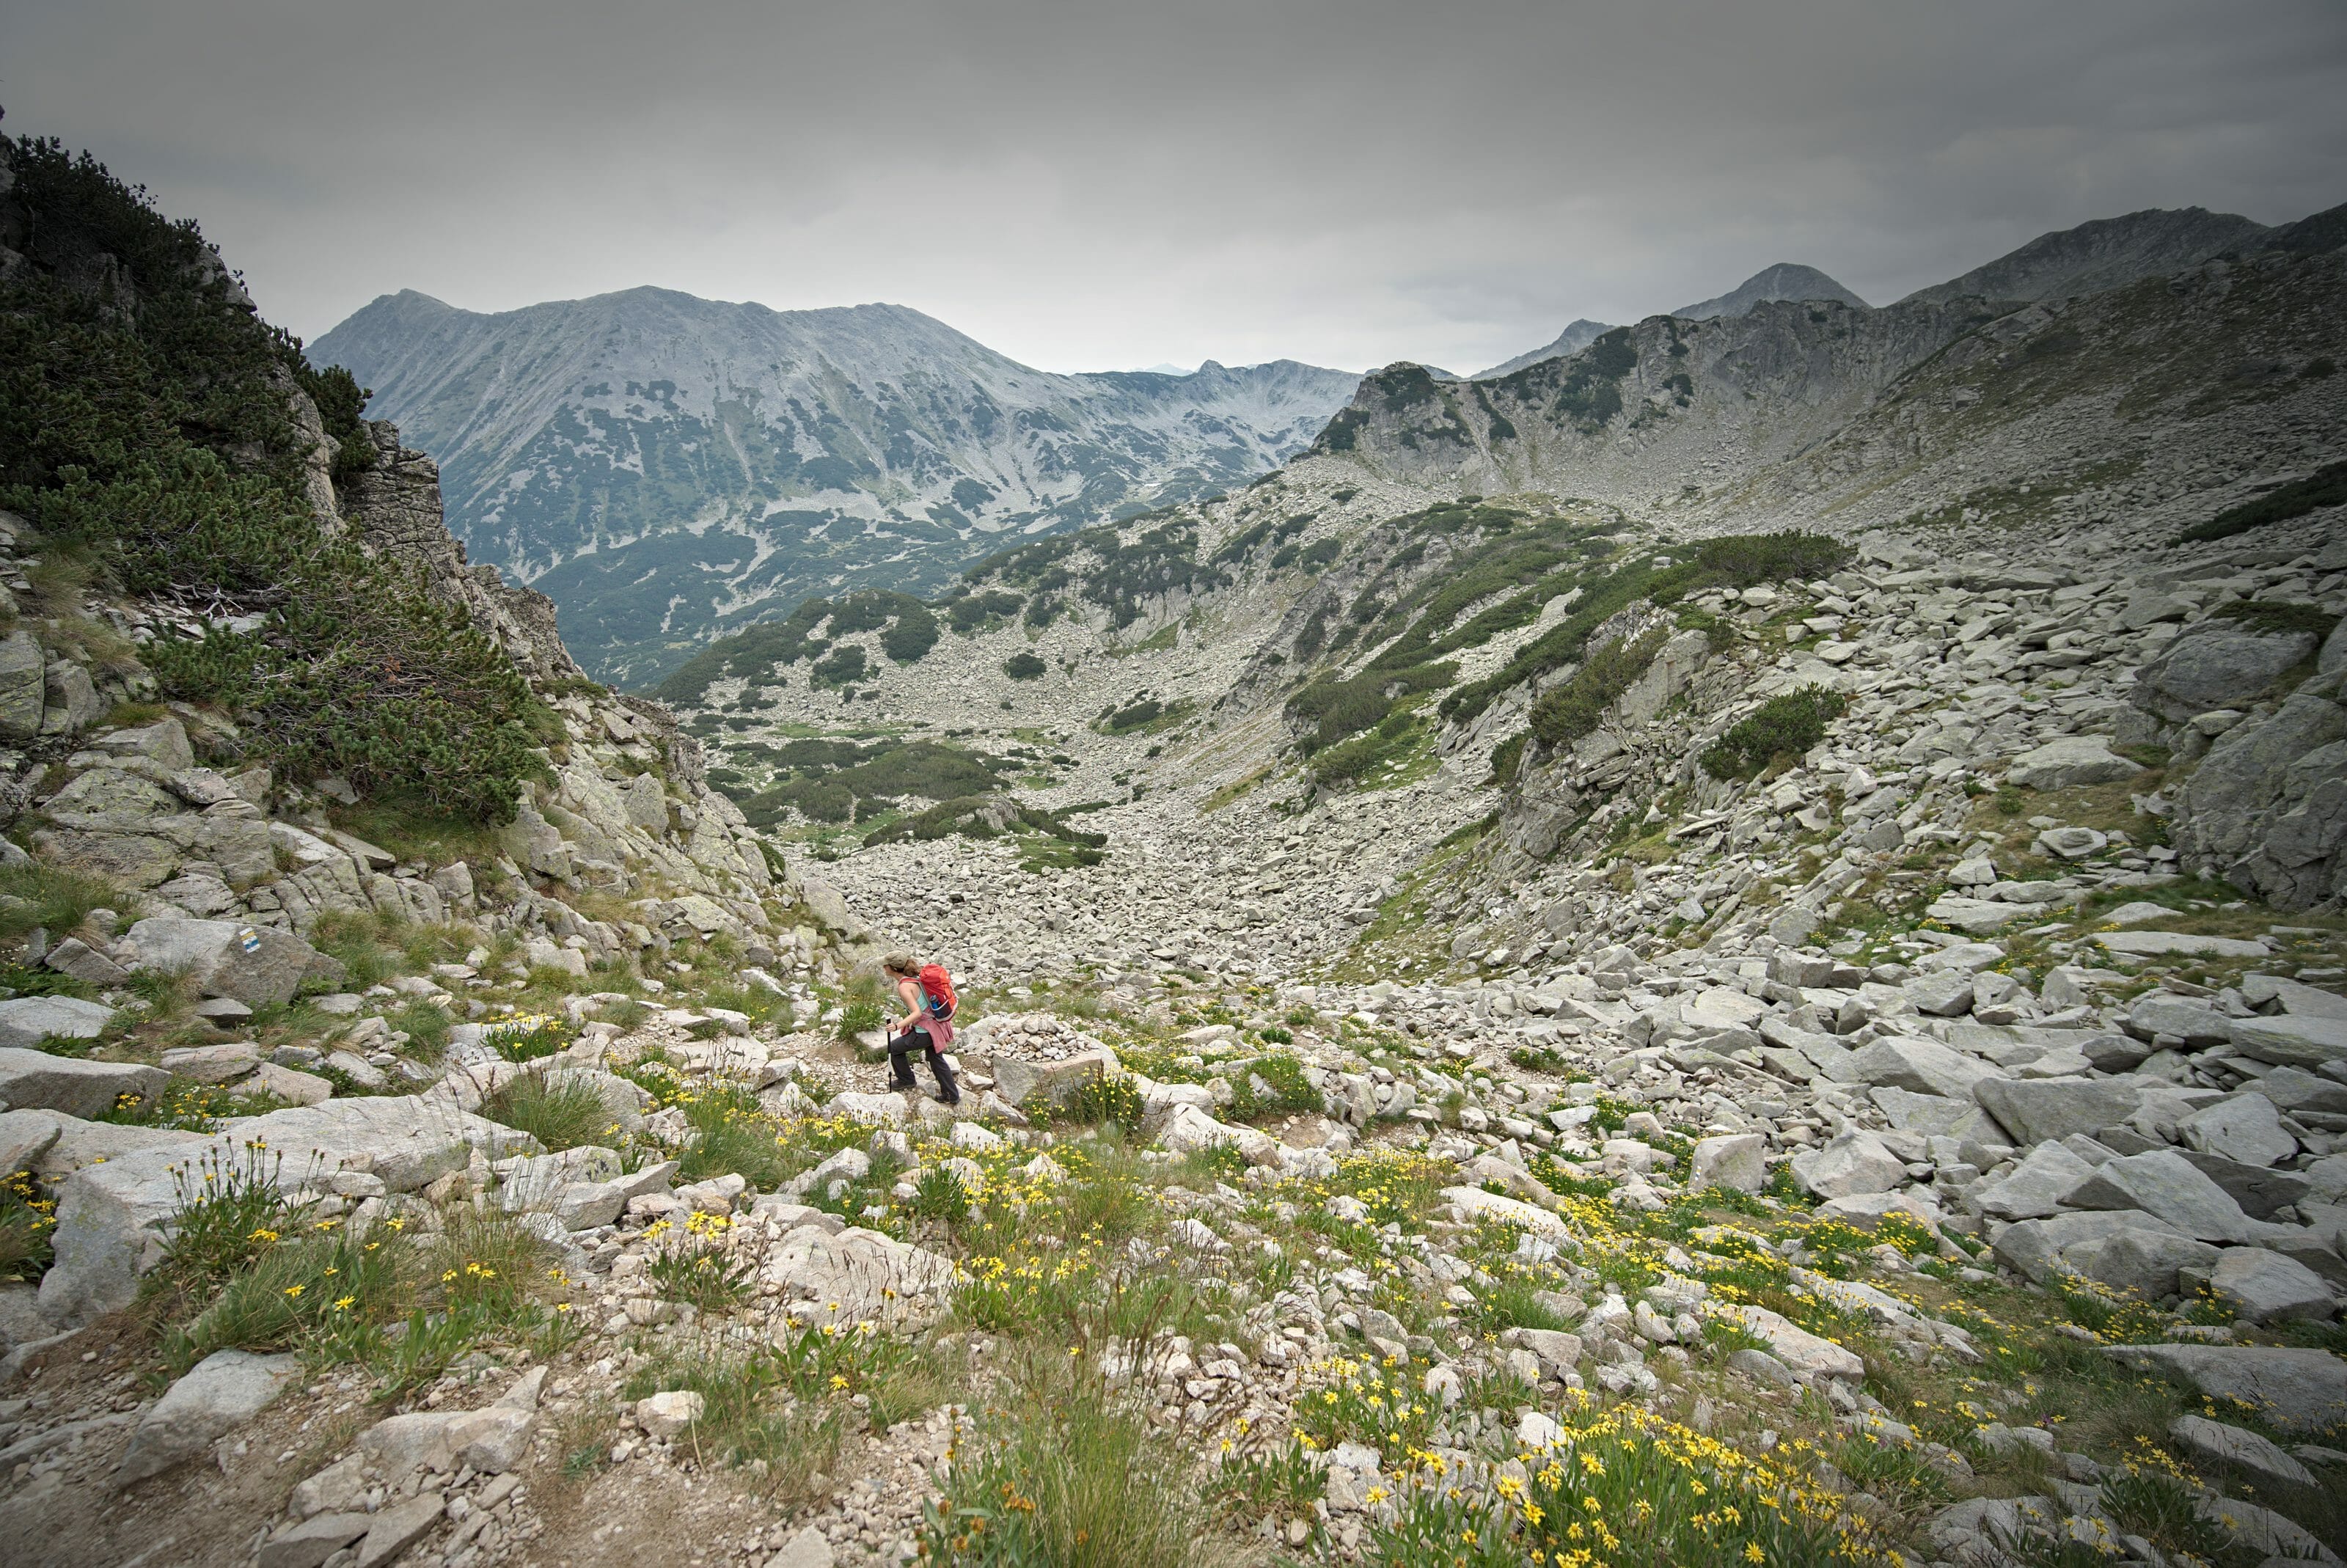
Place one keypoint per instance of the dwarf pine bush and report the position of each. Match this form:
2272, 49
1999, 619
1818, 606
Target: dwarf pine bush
146, 418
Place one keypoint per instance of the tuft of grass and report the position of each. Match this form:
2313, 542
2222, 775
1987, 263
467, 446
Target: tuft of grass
54, 901
564, 1114
1071, 1477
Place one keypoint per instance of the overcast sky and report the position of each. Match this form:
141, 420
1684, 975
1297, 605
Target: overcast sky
1094, 185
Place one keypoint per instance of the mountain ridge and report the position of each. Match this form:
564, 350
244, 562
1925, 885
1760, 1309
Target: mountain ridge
667, 466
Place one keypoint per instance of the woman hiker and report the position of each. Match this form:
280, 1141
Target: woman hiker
927, 990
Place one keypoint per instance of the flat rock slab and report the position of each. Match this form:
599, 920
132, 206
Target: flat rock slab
2240, 1447
2178, 944
36, 1080
2164, 1183
2047, 1110
2295, 1390
221, 1393
2072, 761
1808, 1356
26, 1022
2290, 1041
113, 1217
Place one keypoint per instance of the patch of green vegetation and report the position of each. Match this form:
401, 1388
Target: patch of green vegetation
2326, 486
1370, 759
1146, 716
1733, 560
1571, 709
1787, 725
146, 424
2271, 618
1024, 666
1122, 577
1591, 392
838, 781
989, 816
908, 629
1336, 709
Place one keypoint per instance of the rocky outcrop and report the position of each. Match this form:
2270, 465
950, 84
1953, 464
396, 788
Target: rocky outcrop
2267, 809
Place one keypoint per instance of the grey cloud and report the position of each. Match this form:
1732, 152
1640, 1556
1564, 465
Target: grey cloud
1348, 182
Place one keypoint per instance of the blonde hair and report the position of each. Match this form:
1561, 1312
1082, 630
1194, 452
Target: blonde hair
901, 964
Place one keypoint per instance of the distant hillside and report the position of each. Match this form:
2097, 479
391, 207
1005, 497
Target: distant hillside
2102, 254
667, 468
1784, 280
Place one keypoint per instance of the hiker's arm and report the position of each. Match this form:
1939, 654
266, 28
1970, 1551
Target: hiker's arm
909, 992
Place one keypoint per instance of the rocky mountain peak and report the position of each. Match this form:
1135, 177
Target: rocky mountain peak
1781, 281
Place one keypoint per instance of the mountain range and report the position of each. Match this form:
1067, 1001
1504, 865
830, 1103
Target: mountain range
2094, 256
668, 467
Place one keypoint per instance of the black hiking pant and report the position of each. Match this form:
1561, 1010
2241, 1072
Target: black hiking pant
900, 1067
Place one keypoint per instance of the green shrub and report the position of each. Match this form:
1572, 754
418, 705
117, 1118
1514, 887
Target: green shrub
2326, 486
843, 666
151, 429
1024, 666
1573, 709
1787, 725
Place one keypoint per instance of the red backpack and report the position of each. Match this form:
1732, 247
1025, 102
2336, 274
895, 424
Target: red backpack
937, 986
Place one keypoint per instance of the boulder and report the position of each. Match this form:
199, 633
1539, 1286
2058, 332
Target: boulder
2137, 1261
1032, 1085
869, 1277
24, 679
2193, 1022
2178, 944
829, 905
2242, 1449
807, 1549
256, 965
2260, 1190
1810, 1357
51, 1143
669, 1415
26, 1022
219, 1394
1943, 994
490, 1440
2034, 1188
2069, 762
2290, 1040
2166, 1185
2267, 1287
1189, 1130
2034, 1248
2216, 664
1854, 1163
37, 1081
211, 1063
1736, 1160
2294, 1391
1469, 1205
1919, 1066
2043, 1109
2246, 1130
113, 1218
2267, 807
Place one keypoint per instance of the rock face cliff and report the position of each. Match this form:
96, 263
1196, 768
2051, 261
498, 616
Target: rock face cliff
670, 467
